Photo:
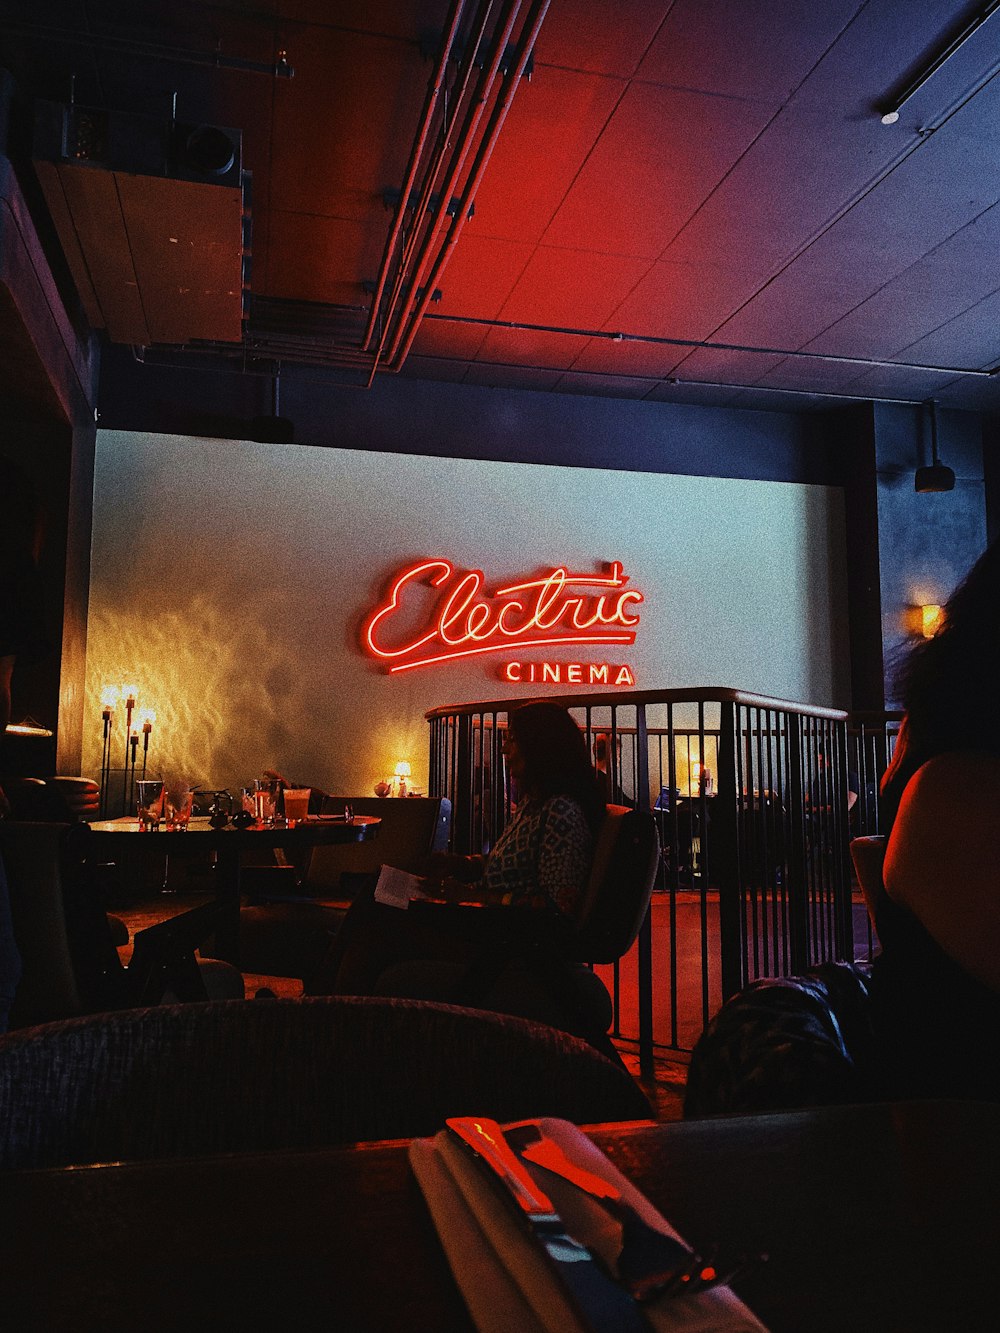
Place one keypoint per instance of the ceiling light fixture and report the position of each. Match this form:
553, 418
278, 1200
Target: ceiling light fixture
937, 477
890, 110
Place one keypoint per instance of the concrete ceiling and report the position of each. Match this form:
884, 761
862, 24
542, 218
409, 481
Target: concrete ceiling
691, 201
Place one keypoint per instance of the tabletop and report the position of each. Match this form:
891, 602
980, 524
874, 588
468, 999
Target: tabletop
879, 1217
314, 831
109, 837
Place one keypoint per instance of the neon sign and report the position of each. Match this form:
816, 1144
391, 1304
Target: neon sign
468, 622
566, 673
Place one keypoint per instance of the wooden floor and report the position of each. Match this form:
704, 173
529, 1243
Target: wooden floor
665, 1091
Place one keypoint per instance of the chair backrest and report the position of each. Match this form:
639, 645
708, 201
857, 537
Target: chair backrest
410, 828
81, 796
69, 962
621, 881
231, 1076
55, 800
868, 855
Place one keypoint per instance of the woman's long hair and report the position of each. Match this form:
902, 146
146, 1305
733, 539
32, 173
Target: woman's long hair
556, 762
950, 685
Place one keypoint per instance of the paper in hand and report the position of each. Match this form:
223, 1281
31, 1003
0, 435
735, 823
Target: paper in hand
395, 888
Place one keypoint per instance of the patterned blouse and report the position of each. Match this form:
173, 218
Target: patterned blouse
542, 858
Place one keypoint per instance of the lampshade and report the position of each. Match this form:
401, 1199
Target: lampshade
402, 769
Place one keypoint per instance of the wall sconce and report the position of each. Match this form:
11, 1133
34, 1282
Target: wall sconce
402, 773
923, 621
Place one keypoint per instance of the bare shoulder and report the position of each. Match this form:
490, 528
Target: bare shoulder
962, 786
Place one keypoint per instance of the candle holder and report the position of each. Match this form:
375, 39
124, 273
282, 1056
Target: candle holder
111, 698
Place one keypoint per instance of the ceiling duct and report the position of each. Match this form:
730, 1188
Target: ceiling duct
152, 216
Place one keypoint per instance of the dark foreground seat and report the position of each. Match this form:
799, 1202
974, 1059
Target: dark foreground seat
231, 1076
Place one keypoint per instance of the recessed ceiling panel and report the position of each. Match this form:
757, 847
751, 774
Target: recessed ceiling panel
664, 150
344, 125
320, 259
511, 377
884, 47
681, 301
724, 366
741, 49
480, 276
551, 128
904, 311
970, 340
792, 182
547, 351
447, 338
599, 37
605, 356
572, 288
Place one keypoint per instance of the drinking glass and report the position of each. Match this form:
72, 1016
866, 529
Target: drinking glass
265, 798
177, 803
149, 803
296, 804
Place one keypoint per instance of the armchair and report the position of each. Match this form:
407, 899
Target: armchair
538, 968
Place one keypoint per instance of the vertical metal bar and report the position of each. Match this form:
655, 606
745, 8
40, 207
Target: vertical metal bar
798, 905
726, 858
645, 940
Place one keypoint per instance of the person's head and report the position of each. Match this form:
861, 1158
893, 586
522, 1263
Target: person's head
547, 755
949, 682
602, 750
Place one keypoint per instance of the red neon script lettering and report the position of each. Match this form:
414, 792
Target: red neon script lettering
468, 621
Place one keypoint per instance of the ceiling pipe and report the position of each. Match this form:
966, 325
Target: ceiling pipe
434, 86
279, 68
529, 36
412, 242
389, 344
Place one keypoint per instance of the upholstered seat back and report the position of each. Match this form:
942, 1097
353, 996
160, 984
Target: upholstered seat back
231, 1076
621, 882
868, 855
58, 925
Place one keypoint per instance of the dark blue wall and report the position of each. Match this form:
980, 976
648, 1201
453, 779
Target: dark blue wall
401, 415
927, 543
898, 542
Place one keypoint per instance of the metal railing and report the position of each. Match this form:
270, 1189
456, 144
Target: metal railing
750, 796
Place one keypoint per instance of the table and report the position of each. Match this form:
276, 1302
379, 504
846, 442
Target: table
875, 1218
229, 844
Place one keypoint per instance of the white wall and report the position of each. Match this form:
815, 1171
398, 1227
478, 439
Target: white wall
230, 579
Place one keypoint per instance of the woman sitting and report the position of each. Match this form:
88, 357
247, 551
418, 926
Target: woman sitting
540, 862
936, 983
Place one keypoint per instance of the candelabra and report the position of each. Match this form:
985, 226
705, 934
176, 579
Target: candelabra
111, 698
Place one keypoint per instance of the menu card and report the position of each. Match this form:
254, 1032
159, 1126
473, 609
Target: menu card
500, 1268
